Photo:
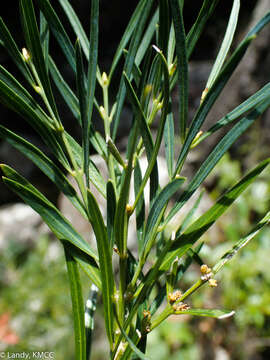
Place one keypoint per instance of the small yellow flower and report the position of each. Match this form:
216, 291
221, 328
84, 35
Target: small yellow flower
129, 208
181, 307
173, 297
212, 282
205, 269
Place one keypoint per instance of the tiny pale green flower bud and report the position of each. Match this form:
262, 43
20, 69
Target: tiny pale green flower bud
171, 69
26, 54
147, 89
38, 89
102, 112
197, 137
205, 91
105, 80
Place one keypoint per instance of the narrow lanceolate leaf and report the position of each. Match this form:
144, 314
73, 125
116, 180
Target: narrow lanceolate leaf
92, 75
33, 43
76, 25
128, 66
182, 64
196, 30
67, 94
86, 263
45, 164
157, 210
241, 243
164, 25
169, 143
214, 313
105, 261
210, 98
127, 35
185, 240
77, 305
164, 113
58, 31
14, 52
217, 153
49, 213
218, 86
111, 208
145, 132
83, 99
147, 38
260, 96
14, 96
226, 44
17, 98
44, 39
140, 208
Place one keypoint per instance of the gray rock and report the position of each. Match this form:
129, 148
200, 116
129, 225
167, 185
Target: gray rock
19, 223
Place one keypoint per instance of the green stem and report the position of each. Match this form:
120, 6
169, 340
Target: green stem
169, 309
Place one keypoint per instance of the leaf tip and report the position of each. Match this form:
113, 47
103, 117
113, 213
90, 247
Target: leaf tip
227, 315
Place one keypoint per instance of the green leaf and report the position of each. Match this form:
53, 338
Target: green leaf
111, 208
82, 96
46, 166
157, 210
182, 65
226, 44
241, 243
105, 261
164, 25
146, 134
58, 31
86, 264
209, 100
147, 38
164, 113
217, 87
15, 97
214, 313
97, 179
33, 43
77, 305
169, 143
133, 23
67, 94
217, 153
14, 52
91, 79
255, 99
185, 240
128, 66
44, 39
76, 25
140, 208
49, 213
197, 28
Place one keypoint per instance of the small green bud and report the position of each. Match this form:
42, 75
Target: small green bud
105, 80
26, 55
